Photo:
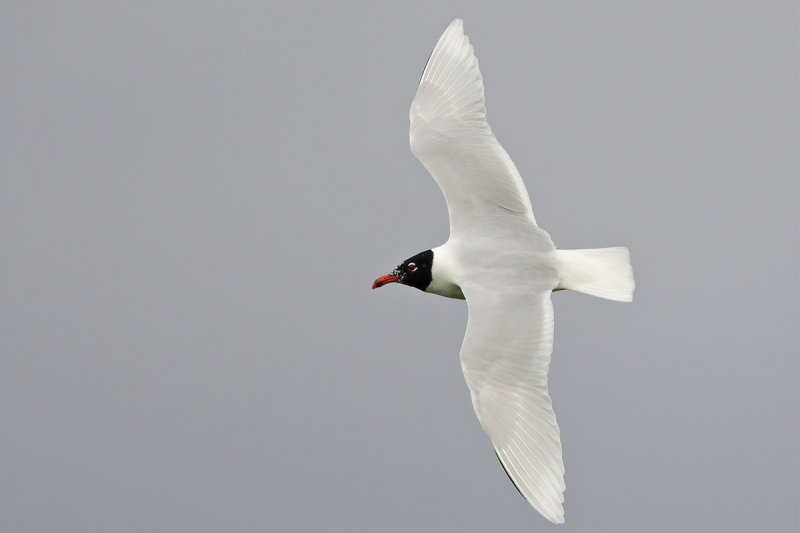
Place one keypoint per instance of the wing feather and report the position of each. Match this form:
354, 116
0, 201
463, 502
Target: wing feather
450, 136
505, 358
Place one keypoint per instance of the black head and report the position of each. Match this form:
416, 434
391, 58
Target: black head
414, 271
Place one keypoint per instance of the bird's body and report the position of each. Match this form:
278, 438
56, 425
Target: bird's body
504, 265
507, 263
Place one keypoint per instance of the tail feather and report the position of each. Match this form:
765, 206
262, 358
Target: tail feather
602, 272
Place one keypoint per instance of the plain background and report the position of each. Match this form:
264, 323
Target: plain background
196, 198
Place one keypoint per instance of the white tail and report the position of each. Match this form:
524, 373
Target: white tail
602, 272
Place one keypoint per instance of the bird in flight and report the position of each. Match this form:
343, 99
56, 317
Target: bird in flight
504, 265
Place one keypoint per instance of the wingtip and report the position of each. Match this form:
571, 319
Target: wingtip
457, 25
556, 517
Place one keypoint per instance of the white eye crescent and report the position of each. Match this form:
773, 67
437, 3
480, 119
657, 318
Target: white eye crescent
412, 267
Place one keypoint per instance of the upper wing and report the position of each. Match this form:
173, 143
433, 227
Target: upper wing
450, 136
505, 358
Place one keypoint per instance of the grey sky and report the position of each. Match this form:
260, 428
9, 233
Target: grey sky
195, 199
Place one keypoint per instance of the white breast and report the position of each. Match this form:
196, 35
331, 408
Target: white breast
444, 274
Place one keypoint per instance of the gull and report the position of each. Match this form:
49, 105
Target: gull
504, 265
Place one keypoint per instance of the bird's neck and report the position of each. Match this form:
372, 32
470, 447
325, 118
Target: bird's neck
444, 273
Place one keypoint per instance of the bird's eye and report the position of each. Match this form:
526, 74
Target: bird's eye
412, 267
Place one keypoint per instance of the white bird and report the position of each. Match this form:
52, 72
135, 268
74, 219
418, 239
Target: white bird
504, 265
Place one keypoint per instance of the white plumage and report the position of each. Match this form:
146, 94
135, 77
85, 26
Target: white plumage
505, 266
